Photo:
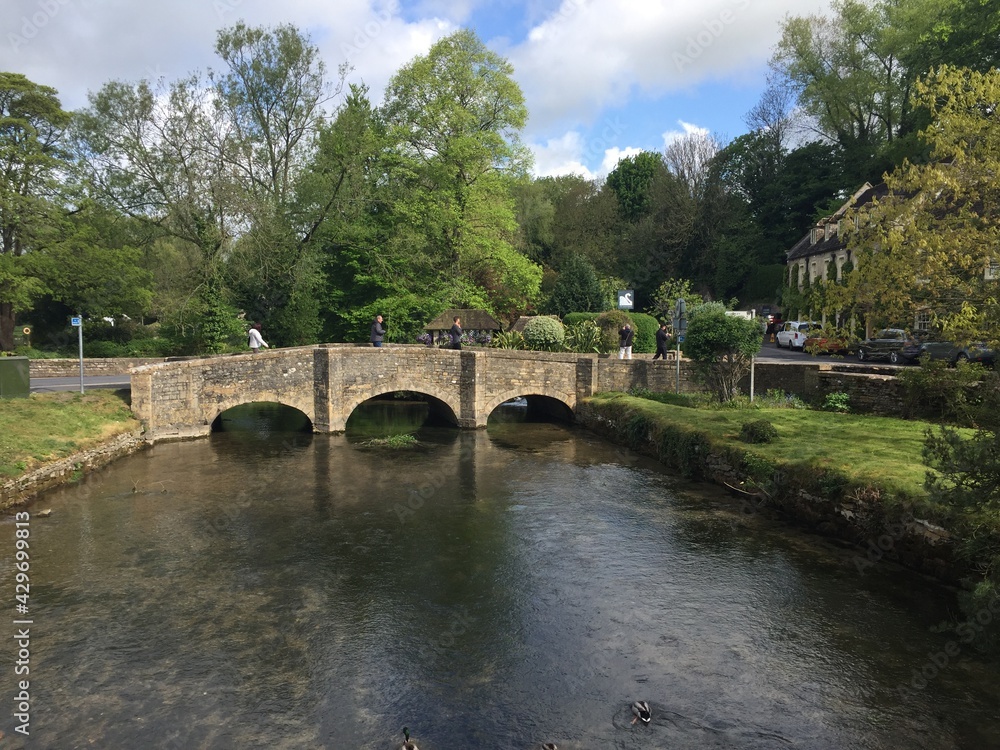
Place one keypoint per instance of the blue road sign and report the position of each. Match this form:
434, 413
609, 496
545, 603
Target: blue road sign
75, 321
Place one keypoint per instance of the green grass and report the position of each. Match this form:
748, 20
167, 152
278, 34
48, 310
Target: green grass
881, 451
49, 426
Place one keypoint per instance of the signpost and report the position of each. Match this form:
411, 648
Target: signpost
78, 322
626, 299
680, 329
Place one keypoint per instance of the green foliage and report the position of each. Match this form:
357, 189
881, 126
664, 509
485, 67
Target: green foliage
765, 283
573, 318
840, 402
584, 337
631, 180
392, 441
646, 327
610, 323
576, 289
942, 393
509, 340
666, 296
758, 431
544, 334
721, 346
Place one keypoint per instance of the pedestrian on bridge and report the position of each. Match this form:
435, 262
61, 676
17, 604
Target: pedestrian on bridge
254, 340
378, 331
625, 338
661, 342
456, 334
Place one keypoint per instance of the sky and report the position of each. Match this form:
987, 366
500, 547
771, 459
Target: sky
602, 79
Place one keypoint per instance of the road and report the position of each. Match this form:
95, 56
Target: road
771, 353
48, 385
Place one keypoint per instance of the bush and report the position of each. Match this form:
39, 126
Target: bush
938, 392
508, 340
610, 323
645, 327
571, 319
758, 431
837, 402
722, 347
544, 334
103, 349
583, 337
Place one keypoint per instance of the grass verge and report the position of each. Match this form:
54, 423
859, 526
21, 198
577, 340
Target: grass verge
48, 426
856, 450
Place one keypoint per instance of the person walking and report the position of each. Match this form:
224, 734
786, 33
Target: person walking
661, 342
254, 340
378, 331
456, 334
625, 337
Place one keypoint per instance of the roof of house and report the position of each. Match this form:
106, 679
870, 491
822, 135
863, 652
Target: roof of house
521, 322
473, 320
805, 247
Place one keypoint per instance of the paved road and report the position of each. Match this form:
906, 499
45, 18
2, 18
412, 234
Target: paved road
47, 385
771, 353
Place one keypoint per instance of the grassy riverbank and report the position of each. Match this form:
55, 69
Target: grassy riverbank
48, 426
848, 450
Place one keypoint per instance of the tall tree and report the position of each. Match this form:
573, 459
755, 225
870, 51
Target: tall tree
214, 163
456, 115
932, 243
32, 156
847, 72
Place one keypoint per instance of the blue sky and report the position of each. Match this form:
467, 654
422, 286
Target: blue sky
602, 78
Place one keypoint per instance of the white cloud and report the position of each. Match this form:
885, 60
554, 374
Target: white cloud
614, 155
686, 129
566, 155
593, 54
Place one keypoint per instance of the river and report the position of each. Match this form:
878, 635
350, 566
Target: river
269, 588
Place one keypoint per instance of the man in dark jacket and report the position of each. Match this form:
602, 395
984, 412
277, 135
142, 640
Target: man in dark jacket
378, 331
662, 337
625, 337
456, 334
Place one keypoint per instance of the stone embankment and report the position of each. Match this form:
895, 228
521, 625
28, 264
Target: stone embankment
51, 474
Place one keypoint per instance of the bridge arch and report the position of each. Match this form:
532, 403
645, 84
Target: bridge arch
444, 408
568, 401
216, 424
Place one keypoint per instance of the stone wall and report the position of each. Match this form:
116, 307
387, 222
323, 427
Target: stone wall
70, 368
21, 489
871, 391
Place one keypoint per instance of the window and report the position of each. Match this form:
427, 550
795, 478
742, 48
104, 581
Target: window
922, 321
993, 270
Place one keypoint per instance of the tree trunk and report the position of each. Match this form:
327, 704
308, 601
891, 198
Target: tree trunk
6, 327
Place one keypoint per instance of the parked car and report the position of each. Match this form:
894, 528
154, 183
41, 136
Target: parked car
829, 342
794, 333
894, 344
955, 353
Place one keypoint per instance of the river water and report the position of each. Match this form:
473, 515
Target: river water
265, 588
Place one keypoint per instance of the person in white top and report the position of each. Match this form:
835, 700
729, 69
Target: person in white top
254, 340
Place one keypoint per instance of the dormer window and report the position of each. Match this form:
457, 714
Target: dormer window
992, 270
817, 235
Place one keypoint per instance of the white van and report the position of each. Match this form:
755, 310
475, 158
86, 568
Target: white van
795, 333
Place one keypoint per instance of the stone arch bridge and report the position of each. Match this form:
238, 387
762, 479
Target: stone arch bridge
327, 382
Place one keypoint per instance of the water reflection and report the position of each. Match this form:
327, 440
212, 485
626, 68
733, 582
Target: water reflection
495, 588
